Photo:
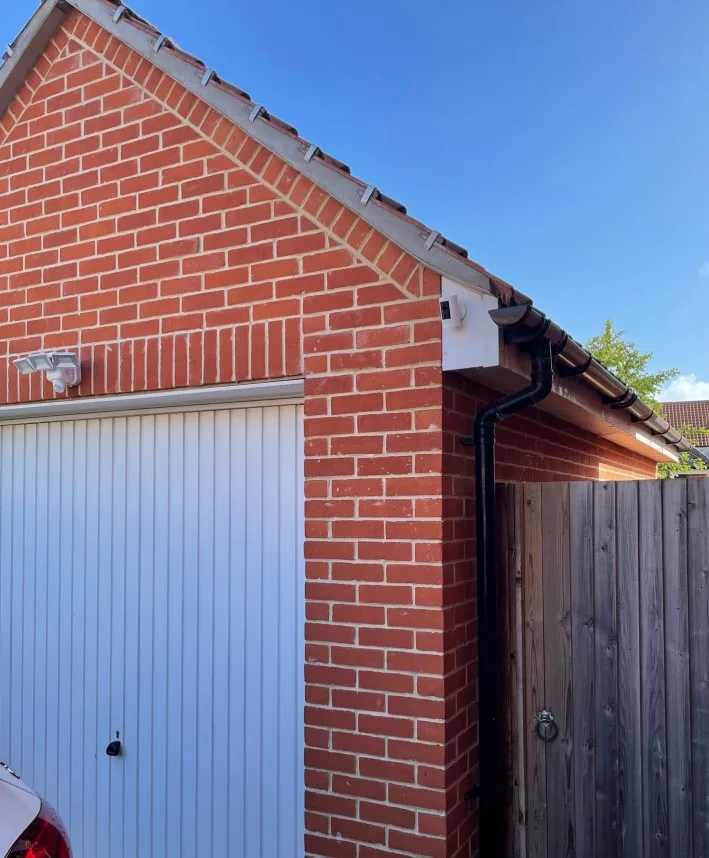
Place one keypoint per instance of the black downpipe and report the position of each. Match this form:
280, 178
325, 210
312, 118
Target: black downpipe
489, 791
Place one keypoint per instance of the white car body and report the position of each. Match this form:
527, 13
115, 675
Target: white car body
26, 822
19, 806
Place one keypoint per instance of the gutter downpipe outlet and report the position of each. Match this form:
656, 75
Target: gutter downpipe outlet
489, 791
523, 323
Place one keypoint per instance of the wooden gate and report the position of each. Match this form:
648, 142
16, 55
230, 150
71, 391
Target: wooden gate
605, 623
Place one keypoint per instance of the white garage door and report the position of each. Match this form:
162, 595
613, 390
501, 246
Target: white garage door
151, 588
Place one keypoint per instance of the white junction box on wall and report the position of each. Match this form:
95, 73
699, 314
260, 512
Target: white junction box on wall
470, 338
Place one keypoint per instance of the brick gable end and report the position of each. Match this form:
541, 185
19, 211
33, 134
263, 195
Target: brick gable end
142, 229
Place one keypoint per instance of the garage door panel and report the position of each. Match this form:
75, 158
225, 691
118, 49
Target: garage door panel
35, 587
67, 682
73, 576
223, 563
152, 568
147, 738
270, 662
25, 549
95, 709
160, 641
238, 612
253, 687
176, 489
207, 676
115, 816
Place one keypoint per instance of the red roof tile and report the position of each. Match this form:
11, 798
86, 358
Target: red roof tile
694, 413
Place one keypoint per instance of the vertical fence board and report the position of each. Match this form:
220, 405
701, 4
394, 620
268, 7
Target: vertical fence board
630, 756
505, 572
652, 668
522, 734
557, 668
606, 669
534, 669
582, 655
698, 567
677, 678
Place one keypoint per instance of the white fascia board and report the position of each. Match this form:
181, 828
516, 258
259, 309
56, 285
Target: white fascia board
476, 343
20, 58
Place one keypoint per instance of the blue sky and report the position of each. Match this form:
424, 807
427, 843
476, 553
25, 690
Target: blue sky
565, 144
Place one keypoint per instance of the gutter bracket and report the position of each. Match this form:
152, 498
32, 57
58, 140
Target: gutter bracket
625, 400
571, 371
559, 347
431, 240
258, 110
208, 75
369, 192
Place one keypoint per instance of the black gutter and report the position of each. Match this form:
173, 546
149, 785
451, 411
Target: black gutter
523, 322
489, 791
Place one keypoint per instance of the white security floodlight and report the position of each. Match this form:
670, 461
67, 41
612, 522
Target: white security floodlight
62, 368
65, 371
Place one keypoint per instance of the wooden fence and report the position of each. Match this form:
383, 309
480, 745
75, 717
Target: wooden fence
605, 623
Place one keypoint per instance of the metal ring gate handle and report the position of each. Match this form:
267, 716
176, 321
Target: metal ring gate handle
545, 726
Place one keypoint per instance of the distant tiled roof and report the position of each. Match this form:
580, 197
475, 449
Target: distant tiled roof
694, 413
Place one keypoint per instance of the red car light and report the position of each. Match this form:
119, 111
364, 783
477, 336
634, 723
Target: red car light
46, 837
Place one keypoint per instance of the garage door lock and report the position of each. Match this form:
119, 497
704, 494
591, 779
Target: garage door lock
115, 749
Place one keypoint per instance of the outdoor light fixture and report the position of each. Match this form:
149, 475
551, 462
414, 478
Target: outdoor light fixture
62, 368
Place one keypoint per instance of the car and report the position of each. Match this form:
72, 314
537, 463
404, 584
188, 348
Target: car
29, 827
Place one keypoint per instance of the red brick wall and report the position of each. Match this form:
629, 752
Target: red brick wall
140, 228
531, 447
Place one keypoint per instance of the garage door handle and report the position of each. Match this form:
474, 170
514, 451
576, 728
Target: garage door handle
114, 749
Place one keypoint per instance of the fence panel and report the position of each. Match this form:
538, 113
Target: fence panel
583, 752
679, 738
629, 691
534, 690
606, 624
697, 570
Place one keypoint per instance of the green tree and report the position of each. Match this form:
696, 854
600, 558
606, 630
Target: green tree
686, 462
625, 359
